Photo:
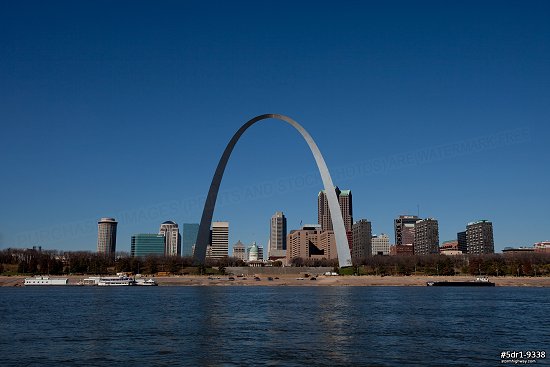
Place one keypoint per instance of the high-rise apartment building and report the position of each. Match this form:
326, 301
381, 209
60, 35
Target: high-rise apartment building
362, 235
404, 229
426, 237
171, 232
239, 251
189, 238
277, 236
146, 244
219, 240
380, 244
479, 237
106, 236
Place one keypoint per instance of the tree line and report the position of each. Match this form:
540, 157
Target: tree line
526, 264
32, 261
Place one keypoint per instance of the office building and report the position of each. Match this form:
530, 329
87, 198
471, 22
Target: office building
172, 235
479, 237
304, 243
277, 236
147, 244
106, 236
426, 237
346, 207
380, 244
462, 242
239, 251
450, 248
189, 238
219, 240
327, 244
260, 253
404, 229
362, 235
401, 250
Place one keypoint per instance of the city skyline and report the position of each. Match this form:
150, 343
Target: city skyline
438, 111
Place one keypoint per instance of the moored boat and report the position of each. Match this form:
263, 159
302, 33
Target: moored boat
478, 282
116, 281
148, 282
44, 280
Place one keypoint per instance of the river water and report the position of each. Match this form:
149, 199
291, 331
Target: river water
274, 326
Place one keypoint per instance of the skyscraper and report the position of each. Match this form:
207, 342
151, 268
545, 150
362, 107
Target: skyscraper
380, 244
220, 240
171, 232
189, 238
479, 237
277, 236
404, 229
346, 207
106, 236
145, 244
426, 237
362, 235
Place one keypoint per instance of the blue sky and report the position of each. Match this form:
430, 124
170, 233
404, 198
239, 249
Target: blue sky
123, 109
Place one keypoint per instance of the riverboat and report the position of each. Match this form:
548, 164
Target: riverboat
116, 281
478, 282
43, 280
149, 282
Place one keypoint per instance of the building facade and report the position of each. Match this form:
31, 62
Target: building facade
239, 251
327, 244
450, 248
304, 243
462, 242
277, 236
401, 250
346, 207
404, 229
362, 237
189, 238
380, 244
543, 246
147, 244
426, 237
479, 237
172, 235
219, 240
106, 236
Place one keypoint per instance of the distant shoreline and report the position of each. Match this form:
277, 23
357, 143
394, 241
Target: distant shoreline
293, 280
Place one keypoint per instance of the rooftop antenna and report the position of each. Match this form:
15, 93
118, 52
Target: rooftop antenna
418, 210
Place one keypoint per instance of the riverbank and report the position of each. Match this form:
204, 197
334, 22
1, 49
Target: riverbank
293, 280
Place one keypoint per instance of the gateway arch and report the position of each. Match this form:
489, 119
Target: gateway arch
342, 246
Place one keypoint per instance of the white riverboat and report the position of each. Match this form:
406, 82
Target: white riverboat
43, 280
149, 282
116, 281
